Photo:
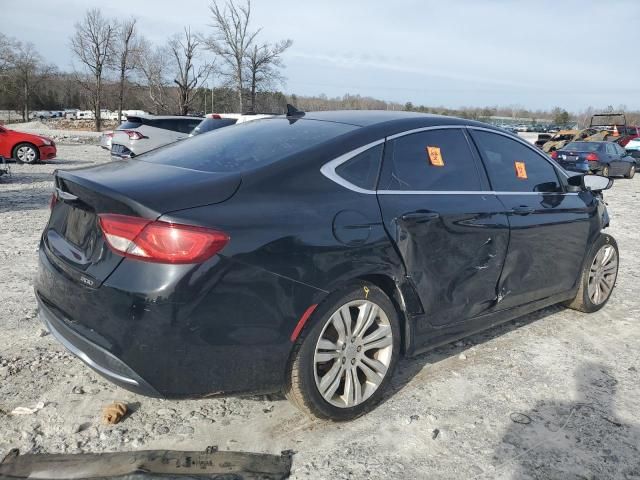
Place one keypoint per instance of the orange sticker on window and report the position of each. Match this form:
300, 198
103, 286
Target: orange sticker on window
521, 170
435, 156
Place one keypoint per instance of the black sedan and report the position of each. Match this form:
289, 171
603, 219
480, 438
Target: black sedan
605, 158
308, 252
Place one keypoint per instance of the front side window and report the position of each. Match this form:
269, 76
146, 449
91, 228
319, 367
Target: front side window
433, 160
514, 167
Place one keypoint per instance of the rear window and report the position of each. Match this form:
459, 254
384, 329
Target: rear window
131, 123
583, 147
248, 145
209, 124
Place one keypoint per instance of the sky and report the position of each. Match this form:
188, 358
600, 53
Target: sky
535, 54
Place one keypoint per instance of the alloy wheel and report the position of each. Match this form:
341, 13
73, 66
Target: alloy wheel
353, 353
26, 154
602, 275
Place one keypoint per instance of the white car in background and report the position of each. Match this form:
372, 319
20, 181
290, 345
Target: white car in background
41, 114
633, 147
141, 133
85, 115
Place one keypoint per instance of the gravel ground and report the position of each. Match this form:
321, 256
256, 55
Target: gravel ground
552, 395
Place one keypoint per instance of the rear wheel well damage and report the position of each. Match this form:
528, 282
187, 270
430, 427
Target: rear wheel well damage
398, 295
403, 297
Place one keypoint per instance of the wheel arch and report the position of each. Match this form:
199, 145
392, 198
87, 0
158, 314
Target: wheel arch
31, 144
404, 299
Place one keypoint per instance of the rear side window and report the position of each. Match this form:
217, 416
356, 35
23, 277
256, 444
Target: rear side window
513, 167
247, 145
434, 160
362, 170
212, 124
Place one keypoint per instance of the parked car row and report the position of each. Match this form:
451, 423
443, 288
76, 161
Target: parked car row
75, 114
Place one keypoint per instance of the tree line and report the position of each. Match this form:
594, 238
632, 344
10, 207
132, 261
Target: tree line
116, 66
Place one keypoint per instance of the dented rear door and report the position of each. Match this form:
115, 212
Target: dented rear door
450, 230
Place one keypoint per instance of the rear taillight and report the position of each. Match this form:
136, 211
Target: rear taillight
214, 116
554, 154
53, 201
134, 135
162, 242
592, 157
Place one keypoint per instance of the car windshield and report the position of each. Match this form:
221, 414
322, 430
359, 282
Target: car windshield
583, 146
209, 124
248, 145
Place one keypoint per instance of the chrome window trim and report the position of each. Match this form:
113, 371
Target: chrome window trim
329, 168
424, 129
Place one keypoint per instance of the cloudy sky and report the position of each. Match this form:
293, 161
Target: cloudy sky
538, 54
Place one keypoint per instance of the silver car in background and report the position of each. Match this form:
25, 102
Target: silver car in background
142, 133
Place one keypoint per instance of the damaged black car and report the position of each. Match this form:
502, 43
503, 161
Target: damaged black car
307, 252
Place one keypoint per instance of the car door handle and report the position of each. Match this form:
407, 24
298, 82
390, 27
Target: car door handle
523, 210
419, 217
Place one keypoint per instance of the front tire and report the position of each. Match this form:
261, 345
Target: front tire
26, 153
345, 358
598, 276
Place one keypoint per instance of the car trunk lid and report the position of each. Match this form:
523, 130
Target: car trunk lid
73, 239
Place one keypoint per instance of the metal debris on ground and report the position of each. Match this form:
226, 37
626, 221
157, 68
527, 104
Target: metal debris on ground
149, 464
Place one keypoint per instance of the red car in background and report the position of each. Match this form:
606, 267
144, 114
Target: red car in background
26, 147
627, 134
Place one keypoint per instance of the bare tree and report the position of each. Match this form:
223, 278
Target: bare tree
6, 51
126, 56
92, 43
183, 51
232, 40
262, 64
24, 72
154, 69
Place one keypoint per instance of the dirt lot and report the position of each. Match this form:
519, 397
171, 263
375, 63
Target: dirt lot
555, 394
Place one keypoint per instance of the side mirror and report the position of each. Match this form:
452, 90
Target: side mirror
593, 183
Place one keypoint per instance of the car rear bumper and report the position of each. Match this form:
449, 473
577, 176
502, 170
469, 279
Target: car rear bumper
177, 331
47, 152
96, 357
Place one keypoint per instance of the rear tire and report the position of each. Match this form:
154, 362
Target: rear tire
605, 171
26, 153
340, 376
632, 172
598, 276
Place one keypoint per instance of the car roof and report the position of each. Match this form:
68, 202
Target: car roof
163, 117
366, 118
387, 122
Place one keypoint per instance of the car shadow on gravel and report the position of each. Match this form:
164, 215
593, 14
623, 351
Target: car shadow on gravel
572, 439
409, 367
